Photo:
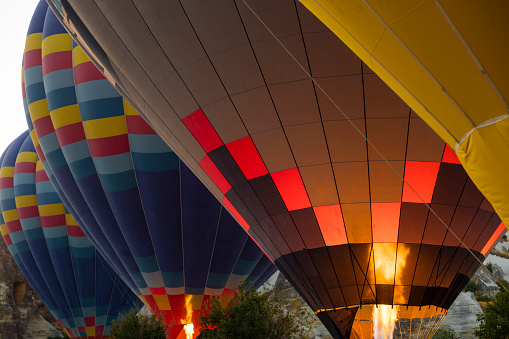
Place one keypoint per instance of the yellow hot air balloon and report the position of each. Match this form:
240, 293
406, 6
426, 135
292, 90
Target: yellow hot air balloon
447, 59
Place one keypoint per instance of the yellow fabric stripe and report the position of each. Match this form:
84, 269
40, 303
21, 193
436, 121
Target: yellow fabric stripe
23, 75
78, 56
162, 302
65, 116
38, 109
6, 172
194, 302
91, 331
56, 43
51, 209
34, 138
142, 298
103, 128
38, 166
128, 109
26, 201
33, 41
69, 220
10, 215
3, 229
26, 157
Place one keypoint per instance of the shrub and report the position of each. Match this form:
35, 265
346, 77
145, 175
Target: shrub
134, 326
471, 286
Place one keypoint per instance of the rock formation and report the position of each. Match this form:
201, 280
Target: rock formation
22, 314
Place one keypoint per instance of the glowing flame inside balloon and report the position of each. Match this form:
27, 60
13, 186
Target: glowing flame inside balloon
384, 321
189, 329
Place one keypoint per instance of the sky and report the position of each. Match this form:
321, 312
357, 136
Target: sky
14, 20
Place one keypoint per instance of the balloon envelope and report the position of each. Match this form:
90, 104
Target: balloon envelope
161, 229
274, 114
62, 266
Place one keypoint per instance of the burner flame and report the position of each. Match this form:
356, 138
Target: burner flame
384, 321
189, 329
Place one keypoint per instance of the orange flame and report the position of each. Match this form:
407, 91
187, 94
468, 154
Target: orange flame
384, 321
189, 329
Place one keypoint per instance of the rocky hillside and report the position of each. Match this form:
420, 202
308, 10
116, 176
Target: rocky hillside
22, 314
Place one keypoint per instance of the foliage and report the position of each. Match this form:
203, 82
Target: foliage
445, 333
254, 315
134, 326
504, 285
471, 286
483, 297
494, 323
489, 266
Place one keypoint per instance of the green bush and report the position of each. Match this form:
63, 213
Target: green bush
134, 326
489, 266
254, 315
494, 323
471, 286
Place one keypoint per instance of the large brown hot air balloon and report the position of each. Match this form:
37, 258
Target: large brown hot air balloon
281, 121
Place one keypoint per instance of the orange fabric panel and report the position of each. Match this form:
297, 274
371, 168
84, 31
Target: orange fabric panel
501, 228
449, 156
331, 224
385, 221
213, 172
421, 176
292, 190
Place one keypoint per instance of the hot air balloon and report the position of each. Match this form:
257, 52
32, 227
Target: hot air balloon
304, 145
163, 231
62, 266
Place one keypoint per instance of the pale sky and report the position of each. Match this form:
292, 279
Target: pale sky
14, 20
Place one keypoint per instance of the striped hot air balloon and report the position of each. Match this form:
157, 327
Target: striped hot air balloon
72, 279
160, 228
304, 145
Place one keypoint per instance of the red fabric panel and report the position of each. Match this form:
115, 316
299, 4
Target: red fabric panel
103, 147
56, 61
235, 213
41, 176
13, 226
43, 126
247, 157
385, 221
421, 176
178, 306
202, 130
449, 156
75, 231
32, 58
213, 172
89, 321
158, 290
24, 167
70, 134
86, 72
137, 125
501, 228
7, 240
290, 186
331, 224
53, 220
28, 212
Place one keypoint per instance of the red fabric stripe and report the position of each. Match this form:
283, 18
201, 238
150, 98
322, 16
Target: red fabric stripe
6, 182
158, 290
56, 61
247, 157
70, 134
89, 321
201, 128
13, 226
450, 156
137, 125
32, 58
421, 176
53, 220
41, 176
8, 240
86, 72
75, 231
23, 92
40, 153
235, 213
28, 212
151, 303
213, 172
178, 306
43, 126
103, 147
24, 167
290, 186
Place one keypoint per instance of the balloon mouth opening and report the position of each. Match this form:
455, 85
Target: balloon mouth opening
189, 330
384, 321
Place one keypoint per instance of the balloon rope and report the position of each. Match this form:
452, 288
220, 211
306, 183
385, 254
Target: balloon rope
369, 142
